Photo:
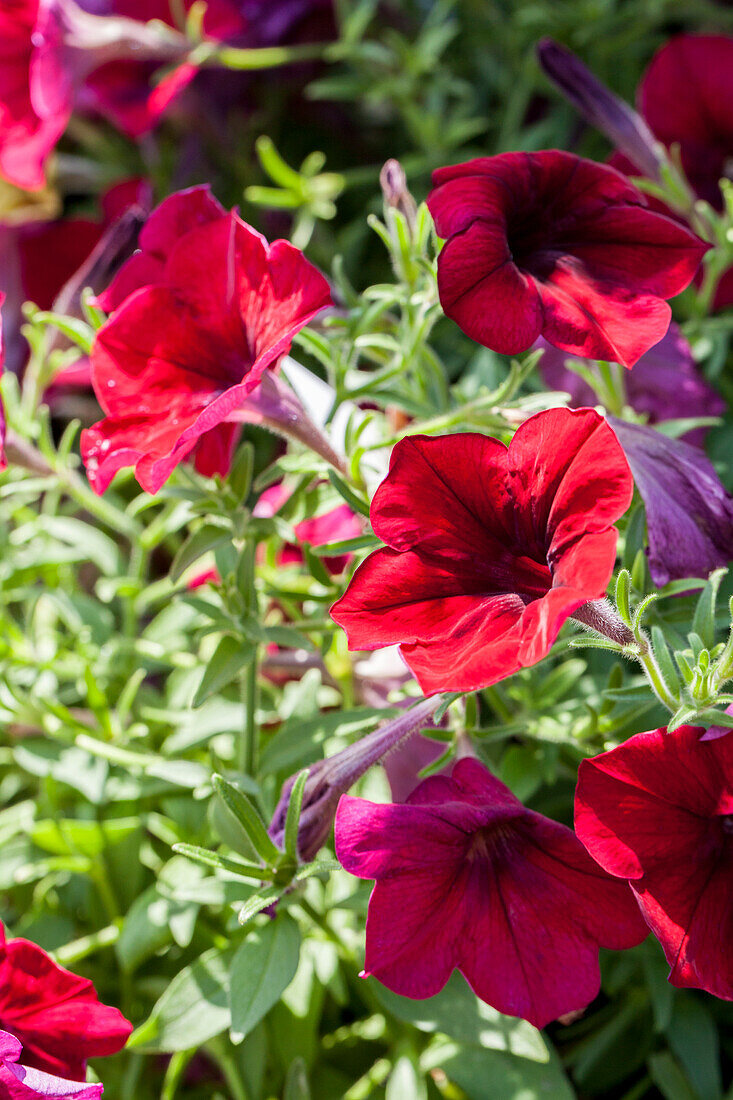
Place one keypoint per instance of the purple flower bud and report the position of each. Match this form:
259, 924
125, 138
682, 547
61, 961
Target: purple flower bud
329, 779
621, 124
689, 513
393, 182
665, 384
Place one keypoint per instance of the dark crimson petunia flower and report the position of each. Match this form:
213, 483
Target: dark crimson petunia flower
467, 878
489, 549
548, 244
53, 1013
178, 358
689, 513
658, 812
664, 385
701, 120
19, 1082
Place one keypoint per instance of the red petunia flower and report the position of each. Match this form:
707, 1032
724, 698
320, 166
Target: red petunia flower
701, 120
548, 244
467, 878
53, 1013
26, 139
658, 811
489, 549
19, 1082
181, 354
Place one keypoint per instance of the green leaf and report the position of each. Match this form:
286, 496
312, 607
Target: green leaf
147, 927
202, 541
259, 901
664, 661
65, 836
669, 1078
296, 1082
505, 1075
623, 600
240, 475
229, 658
213, 859
240, 806
262, 969
703, 622
194, 1007
405, 1082
292, 819
456, 1011
693, 1037
355, 502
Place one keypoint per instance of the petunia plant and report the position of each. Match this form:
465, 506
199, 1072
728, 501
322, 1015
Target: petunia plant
366, 615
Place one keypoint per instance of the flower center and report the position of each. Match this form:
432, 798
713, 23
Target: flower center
486, 842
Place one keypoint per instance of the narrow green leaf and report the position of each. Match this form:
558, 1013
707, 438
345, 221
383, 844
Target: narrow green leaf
239, 805
356, 502
259, 901
202, 541
623, 600
292, 819
703, 622
664, 661
230, 657
232, 866
296, 1082
669, 1078
262, 969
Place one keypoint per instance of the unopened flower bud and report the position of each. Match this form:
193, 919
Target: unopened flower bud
393, 182
329, 779
598, 105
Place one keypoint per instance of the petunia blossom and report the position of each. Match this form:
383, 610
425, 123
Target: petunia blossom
658, 812
689, 512
468, 879
701, 120
55, 1014
489, 549
548, 244
180, 355
19, 1082
664, 385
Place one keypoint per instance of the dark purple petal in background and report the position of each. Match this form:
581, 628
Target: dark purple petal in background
598, 105
689, 513
664, 385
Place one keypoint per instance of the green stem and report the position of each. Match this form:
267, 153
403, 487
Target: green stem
222, 1055
174, 1073
267, 57
646, 659
74, 952
247, 754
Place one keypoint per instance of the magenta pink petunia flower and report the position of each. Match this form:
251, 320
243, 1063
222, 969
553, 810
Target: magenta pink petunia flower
19, 1082
54, 1014
489, 549
548, 244
658, 811
215, 307
468, 879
